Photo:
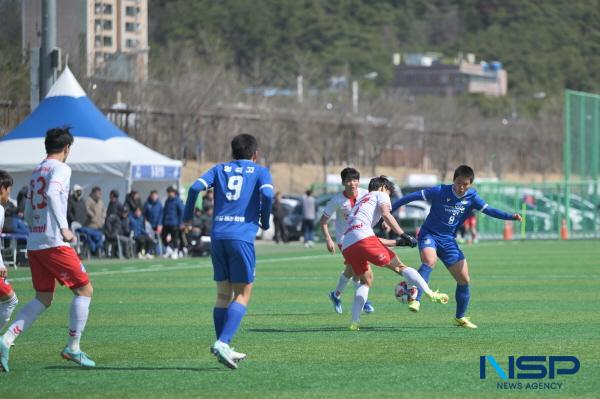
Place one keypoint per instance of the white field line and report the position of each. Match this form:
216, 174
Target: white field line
165, 268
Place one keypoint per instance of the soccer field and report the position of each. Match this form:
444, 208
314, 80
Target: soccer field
150, 329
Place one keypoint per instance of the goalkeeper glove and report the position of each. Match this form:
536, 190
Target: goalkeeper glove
406, 240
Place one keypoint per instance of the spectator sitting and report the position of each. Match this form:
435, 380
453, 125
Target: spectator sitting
114, 206
206, 222
172, 223
96, 216
133, 200
117, 232
21, 198
76, 207
12, 222
208, 201
143, 242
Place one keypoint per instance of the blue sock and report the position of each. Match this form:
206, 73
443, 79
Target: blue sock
424, 271
219, 318
235, 314
463, 295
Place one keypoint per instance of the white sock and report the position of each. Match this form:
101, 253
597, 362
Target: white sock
413, 277
6, 309
341, 285
28, 314
356, 283
80, 309
360, 297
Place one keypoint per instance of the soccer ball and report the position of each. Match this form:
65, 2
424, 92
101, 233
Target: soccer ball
404, 293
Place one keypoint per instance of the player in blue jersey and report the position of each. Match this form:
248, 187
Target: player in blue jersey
450, 205
243, 194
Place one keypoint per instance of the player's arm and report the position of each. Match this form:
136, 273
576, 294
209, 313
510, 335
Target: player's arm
266, 198
482, 206
390, 220
327, 212
414, 196
53, 196
203, 183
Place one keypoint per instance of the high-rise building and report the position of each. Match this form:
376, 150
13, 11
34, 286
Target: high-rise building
102, 38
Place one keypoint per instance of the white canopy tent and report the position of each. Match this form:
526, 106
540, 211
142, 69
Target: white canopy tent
102, 155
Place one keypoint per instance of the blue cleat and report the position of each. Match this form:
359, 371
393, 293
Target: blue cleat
368, 307
81, 358
337, 302
4, 351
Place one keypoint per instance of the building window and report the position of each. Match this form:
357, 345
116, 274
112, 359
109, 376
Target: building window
131, 43
107, 41
132, 27
98, 41
101, 8
103, 24
132, 11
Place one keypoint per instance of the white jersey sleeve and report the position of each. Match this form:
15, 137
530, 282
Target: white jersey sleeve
58, 190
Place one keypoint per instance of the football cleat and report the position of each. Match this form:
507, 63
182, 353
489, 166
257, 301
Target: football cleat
337, 302
414, 305
81, 358
224, 354
354, 326
4, 352
438, 297
237, 356
368, 307
464, 322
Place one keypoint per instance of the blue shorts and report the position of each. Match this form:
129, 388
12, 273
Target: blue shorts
233, 261
446, 248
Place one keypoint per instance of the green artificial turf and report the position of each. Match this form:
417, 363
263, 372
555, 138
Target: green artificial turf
150, 329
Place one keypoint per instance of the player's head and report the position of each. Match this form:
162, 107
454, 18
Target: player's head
350, 179
381, 183
58, 142
114, 195
244, 146
154, 195
6, 182
463, 178
171, 192
138, 212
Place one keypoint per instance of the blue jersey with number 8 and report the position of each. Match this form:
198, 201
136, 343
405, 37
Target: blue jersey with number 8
237, 198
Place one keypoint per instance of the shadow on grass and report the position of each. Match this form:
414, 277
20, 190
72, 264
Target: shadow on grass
329, 329
287, 314
136, 368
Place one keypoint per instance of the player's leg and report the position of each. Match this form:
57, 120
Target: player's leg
460, 272
78, 316
413, 277
238, 266
335, 295
8, 302
362, 293
428, 261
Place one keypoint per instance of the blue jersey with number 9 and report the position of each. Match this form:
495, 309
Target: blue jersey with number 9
237, 187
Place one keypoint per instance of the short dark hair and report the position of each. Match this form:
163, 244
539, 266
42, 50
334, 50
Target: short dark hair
243, 146
95, 189
6, 180
114, 193
382, 181
464, 171
153, 192
57, 139
350, 174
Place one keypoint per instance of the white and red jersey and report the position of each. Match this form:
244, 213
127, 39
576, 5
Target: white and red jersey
341, 205
364, 216
46, 205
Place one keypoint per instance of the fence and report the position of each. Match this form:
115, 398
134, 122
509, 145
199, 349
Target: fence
544, 206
